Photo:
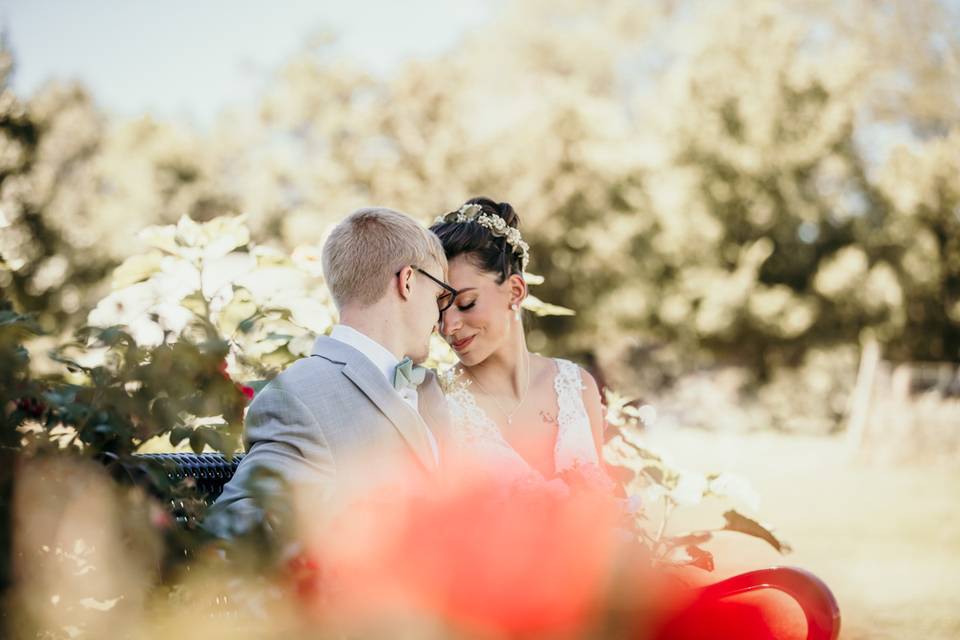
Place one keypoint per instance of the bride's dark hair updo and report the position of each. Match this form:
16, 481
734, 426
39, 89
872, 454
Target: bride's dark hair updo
484, 249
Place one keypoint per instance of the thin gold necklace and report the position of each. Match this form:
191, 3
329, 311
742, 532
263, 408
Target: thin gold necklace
523, 396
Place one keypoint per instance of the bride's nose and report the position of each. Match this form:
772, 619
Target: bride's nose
449, 322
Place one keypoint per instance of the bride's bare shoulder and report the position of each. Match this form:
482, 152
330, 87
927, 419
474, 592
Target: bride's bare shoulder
551, 367
542, 367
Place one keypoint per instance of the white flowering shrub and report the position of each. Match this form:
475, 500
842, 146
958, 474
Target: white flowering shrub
656, 487
210, 279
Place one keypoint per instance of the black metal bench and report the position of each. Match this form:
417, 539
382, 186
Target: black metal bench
206, 472
210, 471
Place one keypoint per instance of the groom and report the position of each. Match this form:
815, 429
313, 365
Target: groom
351, 418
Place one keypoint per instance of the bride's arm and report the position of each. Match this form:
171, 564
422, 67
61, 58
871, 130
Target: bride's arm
594, 406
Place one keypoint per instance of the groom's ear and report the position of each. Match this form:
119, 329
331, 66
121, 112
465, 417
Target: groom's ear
402, 282
518, 289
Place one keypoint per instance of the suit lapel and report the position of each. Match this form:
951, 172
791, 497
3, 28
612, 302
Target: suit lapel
371, 382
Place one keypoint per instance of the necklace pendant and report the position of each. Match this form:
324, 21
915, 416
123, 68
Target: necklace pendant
509, 419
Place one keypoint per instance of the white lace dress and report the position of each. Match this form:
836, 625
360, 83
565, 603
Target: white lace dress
476, 437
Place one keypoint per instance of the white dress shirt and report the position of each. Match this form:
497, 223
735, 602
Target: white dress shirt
386, 362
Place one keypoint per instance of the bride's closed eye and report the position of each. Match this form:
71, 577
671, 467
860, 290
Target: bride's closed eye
467, 307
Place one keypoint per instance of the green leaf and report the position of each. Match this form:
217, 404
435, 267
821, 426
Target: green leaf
700, 558
214, 347
162, 237
541, 308
695, 538
218, 440
741, 523
642, 451
197, 441
179, 434
25, 323
195, 303
222, 235
621, 474
690, 556
61, 396
654, 472
104, 429
71, 364
136, 268
247, 325
239, 310
114, 335
188, 233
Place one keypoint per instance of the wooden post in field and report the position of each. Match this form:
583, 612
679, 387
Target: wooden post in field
858, 415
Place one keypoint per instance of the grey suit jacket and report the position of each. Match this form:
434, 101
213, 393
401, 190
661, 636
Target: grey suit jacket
333, 423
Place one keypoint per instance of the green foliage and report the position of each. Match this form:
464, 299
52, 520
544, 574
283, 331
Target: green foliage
738, 522
209, 281
49, 143
114, 397
662, 487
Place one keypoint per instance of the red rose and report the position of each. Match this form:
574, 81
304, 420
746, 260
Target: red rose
160, 518
531, 562
305, 575
31, 406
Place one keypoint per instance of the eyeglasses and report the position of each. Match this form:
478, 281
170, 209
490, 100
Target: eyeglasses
445, 301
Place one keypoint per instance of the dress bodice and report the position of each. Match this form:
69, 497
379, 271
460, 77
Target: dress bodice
477, 436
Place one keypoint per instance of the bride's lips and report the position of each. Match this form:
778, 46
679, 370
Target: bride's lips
460, 345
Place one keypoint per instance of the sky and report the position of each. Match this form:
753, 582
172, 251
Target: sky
190, 59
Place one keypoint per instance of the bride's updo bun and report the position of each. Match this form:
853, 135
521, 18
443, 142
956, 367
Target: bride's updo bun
493, 250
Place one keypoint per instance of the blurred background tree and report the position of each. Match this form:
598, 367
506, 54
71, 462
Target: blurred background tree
742, 186
75, 188
48, 144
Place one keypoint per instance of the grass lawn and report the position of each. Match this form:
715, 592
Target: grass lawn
884, 537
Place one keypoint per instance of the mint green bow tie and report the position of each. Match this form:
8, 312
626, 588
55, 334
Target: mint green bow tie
408, 374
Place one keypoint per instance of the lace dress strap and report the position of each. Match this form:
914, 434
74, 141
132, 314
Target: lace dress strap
474, 424
476, 437
575, 443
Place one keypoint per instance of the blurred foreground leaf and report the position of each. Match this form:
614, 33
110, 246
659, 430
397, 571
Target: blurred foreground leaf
741, 523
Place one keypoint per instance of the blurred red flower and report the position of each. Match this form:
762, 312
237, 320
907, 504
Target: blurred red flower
526, 560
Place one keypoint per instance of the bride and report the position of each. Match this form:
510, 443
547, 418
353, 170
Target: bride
518, 414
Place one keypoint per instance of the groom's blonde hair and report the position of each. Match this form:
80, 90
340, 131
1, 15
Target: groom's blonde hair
367, 248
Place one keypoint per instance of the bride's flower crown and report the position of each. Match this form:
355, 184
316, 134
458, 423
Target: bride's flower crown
497, 226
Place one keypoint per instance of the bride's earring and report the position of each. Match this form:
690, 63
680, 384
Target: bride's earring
516, 311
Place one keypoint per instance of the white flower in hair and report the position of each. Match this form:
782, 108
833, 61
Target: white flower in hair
470, 211
498, 227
